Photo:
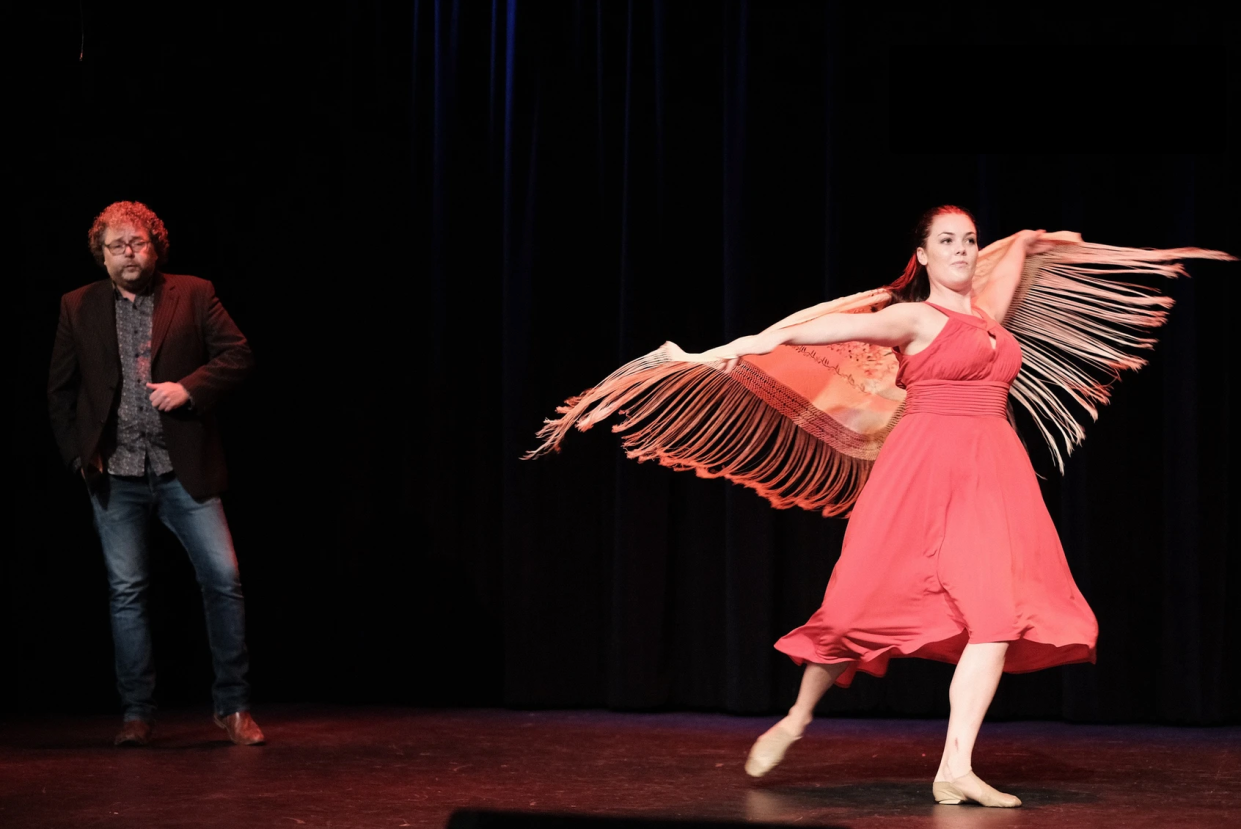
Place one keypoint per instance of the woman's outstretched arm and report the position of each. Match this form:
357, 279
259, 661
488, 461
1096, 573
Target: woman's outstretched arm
896, 325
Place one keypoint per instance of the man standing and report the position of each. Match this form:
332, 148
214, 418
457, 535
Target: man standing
141, 360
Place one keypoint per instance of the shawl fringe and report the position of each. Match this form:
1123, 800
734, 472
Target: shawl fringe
691, 416
1077, 326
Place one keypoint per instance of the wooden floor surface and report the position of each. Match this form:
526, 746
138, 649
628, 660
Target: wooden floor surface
393, 767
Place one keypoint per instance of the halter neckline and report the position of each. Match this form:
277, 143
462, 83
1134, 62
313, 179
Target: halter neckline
984, 321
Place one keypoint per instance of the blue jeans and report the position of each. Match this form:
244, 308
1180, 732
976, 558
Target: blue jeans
123, 508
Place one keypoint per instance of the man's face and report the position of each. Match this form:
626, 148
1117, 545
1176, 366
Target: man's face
129, 257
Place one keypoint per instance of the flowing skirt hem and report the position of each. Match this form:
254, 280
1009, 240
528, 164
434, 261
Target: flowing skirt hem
1026, 653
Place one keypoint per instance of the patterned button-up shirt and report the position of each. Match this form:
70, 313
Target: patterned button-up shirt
139, 433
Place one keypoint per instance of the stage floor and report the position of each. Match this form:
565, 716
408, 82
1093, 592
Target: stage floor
393, 767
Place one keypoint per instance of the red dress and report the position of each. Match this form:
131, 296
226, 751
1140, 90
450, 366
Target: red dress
950, 542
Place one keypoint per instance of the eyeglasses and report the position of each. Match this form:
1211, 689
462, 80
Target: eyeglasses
117, 248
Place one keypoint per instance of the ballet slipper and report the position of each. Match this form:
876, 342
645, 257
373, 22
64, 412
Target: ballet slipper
951, 793
768, 750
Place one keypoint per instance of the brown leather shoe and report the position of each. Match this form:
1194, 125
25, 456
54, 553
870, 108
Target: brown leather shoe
133, 733
241, 728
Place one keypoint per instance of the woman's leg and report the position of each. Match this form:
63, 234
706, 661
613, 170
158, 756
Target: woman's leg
973, 687
769, 749
815, 681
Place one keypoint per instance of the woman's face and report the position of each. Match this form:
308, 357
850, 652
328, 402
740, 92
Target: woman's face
950, 251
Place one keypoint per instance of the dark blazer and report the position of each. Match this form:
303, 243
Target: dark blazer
193, 342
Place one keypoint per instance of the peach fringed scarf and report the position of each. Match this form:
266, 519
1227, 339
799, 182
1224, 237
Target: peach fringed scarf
803, 425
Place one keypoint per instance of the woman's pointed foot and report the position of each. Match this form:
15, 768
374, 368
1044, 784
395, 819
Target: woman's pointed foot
970, 787
768, 750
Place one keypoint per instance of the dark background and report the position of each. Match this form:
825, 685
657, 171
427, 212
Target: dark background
437, 220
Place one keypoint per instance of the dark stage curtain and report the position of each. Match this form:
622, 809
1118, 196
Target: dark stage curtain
436, 221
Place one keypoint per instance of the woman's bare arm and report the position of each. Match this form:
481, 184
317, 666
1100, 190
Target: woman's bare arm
997, 294
896, 325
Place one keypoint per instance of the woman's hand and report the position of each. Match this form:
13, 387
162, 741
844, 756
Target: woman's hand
1032, 241
997, 292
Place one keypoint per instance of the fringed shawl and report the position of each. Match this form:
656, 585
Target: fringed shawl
802, 425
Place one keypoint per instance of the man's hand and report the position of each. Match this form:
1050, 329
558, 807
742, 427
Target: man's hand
168, 396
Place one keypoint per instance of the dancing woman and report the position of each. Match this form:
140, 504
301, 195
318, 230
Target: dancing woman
950, 553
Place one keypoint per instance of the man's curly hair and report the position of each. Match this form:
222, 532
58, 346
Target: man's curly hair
132, 213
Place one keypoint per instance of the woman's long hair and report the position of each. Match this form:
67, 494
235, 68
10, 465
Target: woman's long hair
914, 285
